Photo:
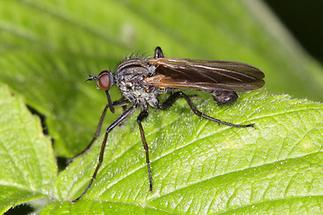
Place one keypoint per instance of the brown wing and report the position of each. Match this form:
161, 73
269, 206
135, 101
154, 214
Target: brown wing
204, 75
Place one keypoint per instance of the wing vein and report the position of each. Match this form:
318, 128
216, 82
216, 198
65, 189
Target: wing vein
204, 75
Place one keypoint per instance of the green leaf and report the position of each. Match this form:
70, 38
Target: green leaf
49, 47
200, 167
28, 167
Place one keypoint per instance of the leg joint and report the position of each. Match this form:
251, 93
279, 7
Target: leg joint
142, 116
109, 129
197, 112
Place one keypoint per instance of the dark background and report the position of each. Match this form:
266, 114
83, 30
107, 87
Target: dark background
304, 19
305, 22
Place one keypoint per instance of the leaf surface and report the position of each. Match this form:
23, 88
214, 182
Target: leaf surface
28, 167
200, 167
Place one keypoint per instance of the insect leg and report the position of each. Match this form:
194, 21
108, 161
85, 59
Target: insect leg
109, 101
158, 52
123, 102
224, 97
170, 101
120, 102
140, 118
203, 115
120, 119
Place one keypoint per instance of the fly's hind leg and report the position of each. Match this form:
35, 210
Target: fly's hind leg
171, 99
158, 53
224, 96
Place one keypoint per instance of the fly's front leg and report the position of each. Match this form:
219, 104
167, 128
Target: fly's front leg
158, 53
140, 118
121, 102
109, 101
120, 119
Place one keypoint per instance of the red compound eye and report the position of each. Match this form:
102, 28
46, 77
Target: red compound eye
104, 80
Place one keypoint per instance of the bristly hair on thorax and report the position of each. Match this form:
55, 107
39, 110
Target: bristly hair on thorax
135, 55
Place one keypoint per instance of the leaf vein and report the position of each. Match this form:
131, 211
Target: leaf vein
236, 171
207, 136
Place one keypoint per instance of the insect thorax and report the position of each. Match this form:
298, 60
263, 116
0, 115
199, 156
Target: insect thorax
130, 80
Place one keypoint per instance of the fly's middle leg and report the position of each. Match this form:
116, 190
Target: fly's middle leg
141, 117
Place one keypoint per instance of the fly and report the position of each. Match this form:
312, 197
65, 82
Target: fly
142, 80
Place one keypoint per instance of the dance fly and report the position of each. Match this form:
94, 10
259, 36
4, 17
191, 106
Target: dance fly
142, 80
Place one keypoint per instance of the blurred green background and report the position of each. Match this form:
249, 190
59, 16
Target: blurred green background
48, 48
